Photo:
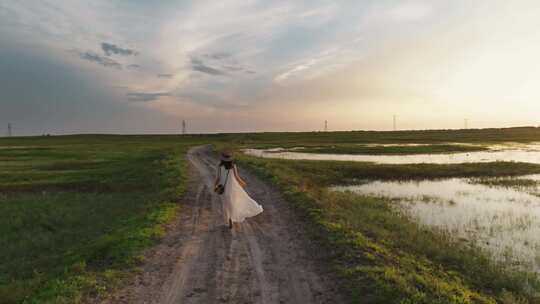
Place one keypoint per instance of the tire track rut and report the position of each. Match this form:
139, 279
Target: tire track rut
263, 260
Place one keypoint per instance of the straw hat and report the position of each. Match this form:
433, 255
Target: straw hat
226, 156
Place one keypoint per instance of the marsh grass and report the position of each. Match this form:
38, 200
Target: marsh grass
345, 173
307, 139
383, 256
516, 183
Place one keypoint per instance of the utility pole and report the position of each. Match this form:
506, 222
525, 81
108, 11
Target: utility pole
9, 129
394, 122
466, 123
183, 127
326, 126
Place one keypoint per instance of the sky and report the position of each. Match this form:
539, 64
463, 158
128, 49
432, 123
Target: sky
101, 66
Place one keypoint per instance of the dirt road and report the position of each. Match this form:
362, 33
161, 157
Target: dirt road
266, 259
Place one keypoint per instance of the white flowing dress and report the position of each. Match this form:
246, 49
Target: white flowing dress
237, 204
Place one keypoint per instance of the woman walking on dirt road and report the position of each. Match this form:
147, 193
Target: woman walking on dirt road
237, 204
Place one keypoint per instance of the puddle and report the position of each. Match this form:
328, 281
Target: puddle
416, 144
503, 220
529, 153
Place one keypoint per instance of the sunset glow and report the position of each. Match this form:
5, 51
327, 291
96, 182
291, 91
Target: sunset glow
231, 66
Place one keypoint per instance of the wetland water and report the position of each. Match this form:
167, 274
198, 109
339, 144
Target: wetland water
529, 153
503, 220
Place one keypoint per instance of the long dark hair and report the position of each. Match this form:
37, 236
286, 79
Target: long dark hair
228, 164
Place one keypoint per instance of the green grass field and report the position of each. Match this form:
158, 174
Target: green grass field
476, 136
77, 210
76, 213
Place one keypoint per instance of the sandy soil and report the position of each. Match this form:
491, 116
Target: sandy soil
266, 259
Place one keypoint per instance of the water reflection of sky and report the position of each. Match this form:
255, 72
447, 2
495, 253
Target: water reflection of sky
503, 220
529, 153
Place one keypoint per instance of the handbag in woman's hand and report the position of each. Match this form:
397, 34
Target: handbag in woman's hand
220, 188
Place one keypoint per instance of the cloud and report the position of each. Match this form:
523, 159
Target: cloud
410, 11
233, 68
218, 55
196, 61
145, 97
167, 76
110, 49
133, 66
220, 63
323, 62
210, 99
295, 70
121, 87
199, 66
208, 70
104, 61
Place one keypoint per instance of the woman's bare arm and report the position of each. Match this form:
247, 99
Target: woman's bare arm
218, 175
238, 178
